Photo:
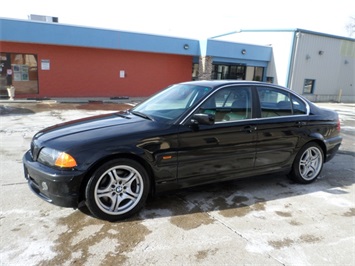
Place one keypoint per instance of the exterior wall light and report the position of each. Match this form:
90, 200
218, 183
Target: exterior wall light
321, 52
186, 46
244, 51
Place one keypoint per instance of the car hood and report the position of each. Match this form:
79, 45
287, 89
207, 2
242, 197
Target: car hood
102, 126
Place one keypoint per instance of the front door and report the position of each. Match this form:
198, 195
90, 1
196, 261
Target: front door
220, 151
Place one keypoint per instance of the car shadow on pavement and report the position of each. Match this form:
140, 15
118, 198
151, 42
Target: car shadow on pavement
9, 110
238, 198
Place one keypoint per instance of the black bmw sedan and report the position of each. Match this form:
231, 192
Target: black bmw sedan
189, 134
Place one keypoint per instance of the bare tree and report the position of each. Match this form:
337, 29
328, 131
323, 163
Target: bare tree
350, 27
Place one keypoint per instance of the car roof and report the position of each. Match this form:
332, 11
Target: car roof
219, 83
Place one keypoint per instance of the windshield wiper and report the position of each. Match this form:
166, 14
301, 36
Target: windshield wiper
123, 115
142, 115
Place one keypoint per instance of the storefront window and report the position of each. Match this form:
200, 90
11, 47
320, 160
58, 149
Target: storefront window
20, 71
255, 73
270, 79
195, 71
229, 72
258, 73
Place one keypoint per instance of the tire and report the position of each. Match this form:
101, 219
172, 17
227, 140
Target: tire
308, 164
117, 190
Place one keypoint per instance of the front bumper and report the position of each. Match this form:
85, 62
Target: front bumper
59, 187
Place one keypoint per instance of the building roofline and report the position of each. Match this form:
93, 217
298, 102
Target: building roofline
298, 30
95, 28
26, 31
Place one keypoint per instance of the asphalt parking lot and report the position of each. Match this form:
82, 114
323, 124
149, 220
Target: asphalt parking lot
266, 220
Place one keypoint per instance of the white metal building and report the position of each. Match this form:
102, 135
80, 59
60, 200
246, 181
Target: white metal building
319, 66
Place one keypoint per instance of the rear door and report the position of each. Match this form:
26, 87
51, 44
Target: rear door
282, 124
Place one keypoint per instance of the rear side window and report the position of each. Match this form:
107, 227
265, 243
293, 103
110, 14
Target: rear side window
299, 108
275, 103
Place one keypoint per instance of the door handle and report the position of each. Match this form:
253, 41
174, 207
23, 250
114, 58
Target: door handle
250, 129
301, 123
212, 140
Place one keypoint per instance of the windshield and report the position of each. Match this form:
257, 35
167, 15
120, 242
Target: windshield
171, 103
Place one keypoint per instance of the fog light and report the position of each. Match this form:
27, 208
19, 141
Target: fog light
44, 186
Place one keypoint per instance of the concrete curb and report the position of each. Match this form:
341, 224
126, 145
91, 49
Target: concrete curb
76, 100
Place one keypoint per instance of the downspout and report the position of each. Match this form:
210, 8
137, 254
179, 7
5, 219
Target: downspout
291, 73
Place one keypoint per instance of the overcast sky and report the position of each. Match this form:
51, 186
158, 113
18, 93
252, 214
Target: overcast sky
197, 19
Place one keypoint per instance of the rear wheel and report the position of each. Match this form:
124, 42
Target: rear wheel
117, 190
308, 163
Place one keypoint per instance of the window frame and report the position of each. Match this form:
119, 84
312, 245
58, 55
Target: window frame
292, 99
230, 110
228, 71
255, 104
312, 86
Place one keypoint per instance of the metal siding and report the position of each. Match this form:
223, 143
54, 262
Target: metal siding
329, 70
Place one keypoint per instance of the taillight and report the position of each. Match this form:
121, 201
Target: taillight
338, 126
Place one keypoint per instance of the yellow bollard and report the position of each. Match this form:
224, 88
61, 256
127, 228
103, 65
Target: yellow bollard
339, 96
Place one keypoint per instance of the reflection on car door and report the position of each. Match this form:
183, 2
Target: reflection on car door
216, 152
280, 128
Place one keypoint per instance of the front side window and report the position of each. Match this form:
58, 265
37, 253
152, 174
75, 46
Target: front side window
308, 87
229, 104
275, 103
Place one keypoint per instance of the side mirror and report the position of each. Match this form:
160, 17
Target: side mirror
202, 119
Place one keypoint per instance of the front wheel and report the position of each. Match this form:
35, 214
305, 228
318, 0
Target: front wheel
308, 163
117, 190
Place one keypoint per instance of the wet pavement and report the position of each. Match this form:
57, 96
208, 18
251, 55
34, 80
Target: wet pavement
30, 108
261, 220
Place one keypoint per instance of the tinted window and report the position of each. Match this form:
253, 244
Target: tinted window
169, 104
229, 104
299, 107
276, 103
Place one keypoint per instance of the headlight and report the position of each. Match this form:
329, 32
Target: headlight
53, 157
